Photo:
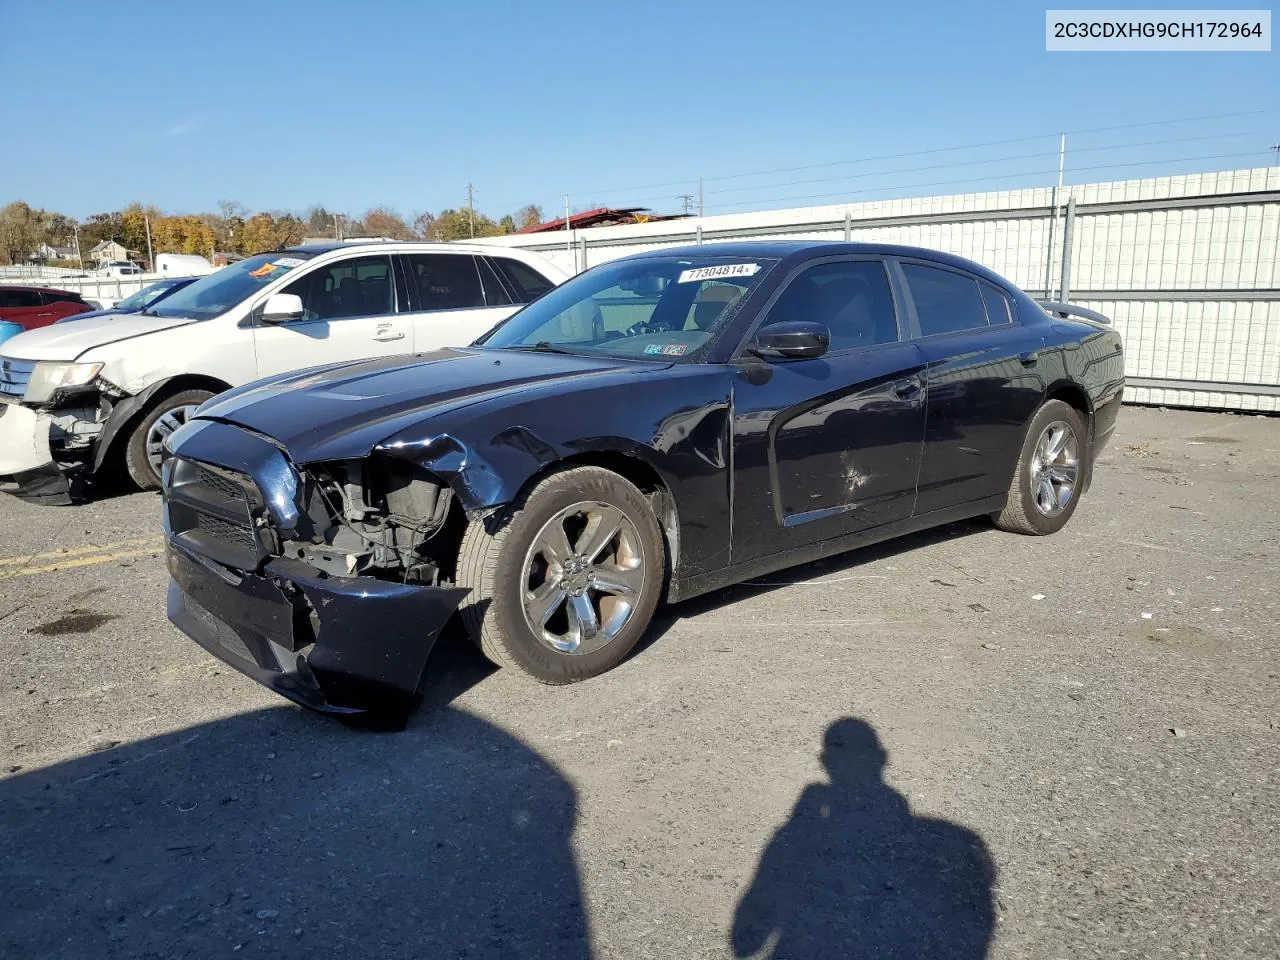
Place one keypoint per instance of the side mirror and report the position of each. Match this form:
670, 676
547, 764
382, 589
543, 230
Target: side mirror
795, 340
282, 307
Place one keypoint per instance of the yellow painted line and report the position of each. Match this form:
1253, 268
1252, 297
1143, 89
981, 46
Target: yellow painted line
77, 562
46, 555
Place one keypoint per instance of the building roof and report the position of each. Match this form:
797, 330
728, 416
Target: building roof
601, 217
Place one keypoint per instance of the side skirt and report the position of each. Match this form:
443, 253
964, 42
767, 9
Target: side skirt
761, 566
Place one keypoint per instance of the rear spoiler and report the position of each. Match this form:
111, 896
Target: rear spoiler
1065, 310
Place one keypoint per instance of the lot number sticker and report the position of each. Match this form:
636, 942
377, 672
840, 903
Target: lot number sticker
721, 272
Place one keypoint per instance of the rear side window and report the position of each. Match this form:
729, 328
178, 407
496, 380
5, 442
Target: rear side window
443, 281
999, 308
63, 298
526, 281
495, 291
945, 302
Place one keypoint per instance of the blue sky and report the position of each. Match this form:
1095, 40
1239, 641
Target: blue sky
351, 105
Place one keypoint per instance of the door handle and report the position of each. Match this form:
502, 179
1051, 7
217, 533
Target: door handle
386, 336
1029, 359
907, 388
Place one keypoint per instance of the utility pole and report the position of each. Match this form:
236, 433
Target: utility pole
568, 234
701, 207
686, 201
76, 228
337, 227
1053, 219
151, 259
1275, 148
471, 210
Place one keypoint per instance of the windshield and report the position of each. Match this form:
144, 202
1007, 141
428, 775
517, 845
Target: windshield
144, 296
220, 291
657, 308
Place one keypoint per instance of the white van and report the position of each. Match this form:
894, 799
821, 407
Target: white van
75, 396
182, 265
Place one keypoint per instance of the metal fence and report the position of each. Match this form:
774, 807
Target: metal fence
102, 289
1185, 266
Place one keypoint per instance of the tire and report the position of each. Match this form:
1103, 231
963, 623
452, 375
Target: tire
1027, 511
161, 418
505, 565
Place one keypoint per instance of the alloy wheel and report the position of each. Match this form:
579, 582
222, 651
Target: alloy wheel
582, 577
1055, 467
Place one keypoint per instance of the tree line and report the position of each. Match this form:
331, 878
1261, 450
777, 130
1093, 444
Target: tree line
234, 228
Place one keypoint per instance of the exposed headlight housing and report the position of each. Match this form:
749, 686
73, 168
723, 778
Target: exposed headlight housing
48, 379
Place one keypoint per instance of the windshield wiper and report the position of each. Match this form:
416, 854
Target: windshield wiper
542, 346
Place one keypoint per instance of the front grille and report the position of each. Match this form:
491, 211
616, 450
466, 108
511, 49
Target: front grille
14, 376
229, 488
211, 511
225, 531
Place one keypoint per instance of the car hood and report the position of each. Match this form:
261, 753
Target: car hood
344, 410
66, 341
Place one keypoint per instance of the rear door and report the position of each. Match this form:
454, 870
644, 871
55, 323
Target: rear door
61, 305
828, 446
26, 307
352, 313
983, 384
455, 298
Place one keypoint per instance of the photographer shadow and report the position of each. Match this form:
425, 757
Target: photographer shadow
854, 873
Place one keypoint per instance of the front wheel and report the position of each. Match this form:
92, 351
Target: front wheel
1051, 466
144, 453
565, 584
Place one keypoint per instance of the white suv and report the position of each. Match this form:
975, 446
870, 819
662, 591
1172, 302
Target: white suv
74, 395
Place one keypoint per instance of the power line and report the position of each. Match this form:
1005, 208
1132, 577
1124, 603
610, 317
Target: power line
1008, 176
1001, 159
948, 149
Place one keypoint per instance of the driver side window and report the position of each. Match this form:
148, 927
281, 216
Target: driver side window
852, 298
360, 287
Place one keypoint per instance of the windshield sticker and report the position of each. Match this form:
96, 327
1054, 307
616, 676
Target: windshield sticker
653, 348
287, 262
264, 270
720, 272
670, 349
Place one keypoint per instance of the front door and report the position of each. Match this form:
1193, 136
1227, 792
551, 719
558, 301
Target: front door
828, 446
351, 314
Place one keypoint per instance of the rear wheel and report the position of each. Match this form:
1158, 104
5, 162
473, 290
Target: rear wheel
567, 582
144, 453
1046, 483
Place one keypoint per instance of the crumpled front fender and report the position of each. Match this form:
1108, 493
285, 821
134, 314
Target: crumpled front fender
488, 476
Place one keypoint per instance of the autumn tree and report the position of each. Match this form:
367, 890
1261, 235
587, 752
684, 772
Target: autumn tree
529, 216
259, 234
459, 225
384, 222
21, 231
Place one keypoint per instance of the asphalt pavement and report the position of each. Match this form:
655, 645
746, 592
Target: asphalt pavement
962, 744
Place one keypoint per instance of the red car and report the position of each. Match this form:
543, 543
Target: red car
33, 307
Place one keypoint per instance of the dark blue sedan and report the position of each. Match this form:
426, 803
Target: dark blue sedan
144, 298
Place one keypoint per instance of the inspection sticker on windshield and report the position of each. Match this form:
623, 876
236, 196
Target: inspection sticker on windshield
667, 349
288, 262
720, 272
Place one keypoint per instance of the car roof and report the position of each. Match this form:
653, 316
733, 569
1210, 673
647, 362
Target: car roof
807, 249
19, 286
363, 245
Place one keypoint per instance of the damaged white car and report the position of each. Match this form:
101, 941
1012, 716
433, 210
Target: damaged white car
76, 397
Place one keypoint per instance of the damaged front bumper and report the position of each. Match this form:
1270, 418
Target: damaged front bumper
27, 466
340, 645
